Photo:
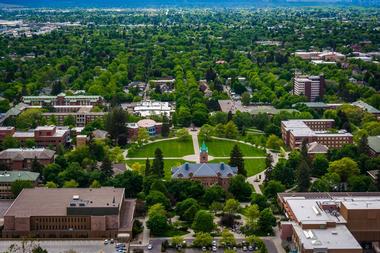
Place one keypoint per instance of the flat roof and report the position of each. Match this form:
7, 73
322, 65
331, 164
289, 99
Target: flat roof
43, 201
338, 237
11, 176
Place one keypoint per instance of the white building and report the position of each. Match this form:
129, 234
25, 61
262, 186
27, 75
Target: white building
151, 108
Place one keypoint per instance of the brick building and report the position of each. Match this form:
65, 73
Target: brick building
330, 222
44, 136
313, 87
313, 130
22, 159
208, 174
153, 128
62, 99
70, 213
9, 177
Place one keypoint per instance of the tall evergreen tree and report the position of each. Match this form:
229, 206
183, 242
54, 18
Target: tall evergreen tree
148, 171
115, 123
36, 166
106, 167
236, 160
229, 116
165, 127
158, 163
303, 176
363, 145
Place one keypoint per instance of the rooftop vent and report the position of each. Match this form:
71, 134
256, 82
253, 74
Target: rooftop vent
316, 211
76, 197
334, 232
73, 204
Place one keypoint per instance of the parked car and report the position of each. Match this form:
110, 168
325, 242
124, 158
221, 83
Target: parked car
150, 246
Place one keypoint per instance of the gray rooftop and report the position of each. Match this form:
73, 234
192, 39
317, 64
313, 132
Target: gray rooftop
374, 143
188, 170
366, 107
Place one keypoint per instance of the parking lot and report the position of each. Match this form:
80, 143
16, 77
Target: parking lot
80, 246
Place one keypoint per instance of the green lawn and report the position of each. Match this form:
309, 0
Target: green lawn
170, 148
168, 164
222, 148
253, 166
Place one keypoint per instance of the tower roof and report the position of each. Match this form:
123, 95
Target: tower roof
204, 148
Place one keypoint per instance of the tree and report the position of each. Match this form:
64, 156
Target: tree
274, 142
10, 142
320, 165
203, 222
70, 184
142, 136
148, 170
272, 188
115, 123
157, 224
231, 206
206, 132
157, 209
165, 130
202, 239
227, 238
187, 209
268, 160
266, 221
106, 167
303, 176
345, 168
18, 185
177, 241
155, 197
215, 207
51, 184
260, 200
214, 193
130, 180
236, 160
245, 98
241, 189
230, 130
363, 145
95, 184
36, 166
182, 134
69, 121
158, 163
251, 214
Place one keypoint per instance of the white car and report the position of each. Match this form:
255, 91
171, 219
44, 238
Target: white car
106, 241
213, 243
150, 246
214, 248
204, 248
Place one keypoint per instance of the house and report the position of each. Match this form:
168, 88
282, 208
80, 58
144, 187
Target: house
7, 178
208, 174
22, 159
374, 145
70, 213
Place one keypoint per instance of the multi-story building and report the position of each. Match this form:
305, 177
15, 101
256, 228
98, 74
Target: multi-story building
323, 56
43, 136
7, 178
208, 174
70, 213
153, 108
63, 99
22, 159
150, 125
313, 87
330, 222
294, 132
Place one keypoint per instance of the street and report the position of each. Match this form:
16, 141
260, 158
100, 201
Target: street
62, 246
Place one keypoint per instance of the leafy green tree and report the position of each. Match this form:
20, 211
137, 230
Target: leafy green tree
158, 224
10, 142
251, 214
303, 176
51, 184
274, 142
142, 136
106, 167
158, 163
36, 166
320, 165
70, 184
115, 123
230, 130
214, 193
69, 121
182, 134
131, 181
231, 206
345, 168
245, 98
203, 222
266, 221
30, 118
187, 209
155, 197
236, 160
202, 239
241, 189
18, 185
260, 200
148, 170
227, 238
95, 184
272, 188
206, 132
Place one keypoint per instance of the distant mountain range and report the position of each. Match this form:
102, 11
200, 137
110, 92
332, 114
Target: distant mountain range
177, 3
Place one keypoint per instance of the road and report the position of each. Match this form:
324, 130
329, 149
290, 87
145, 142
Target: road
62, 246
